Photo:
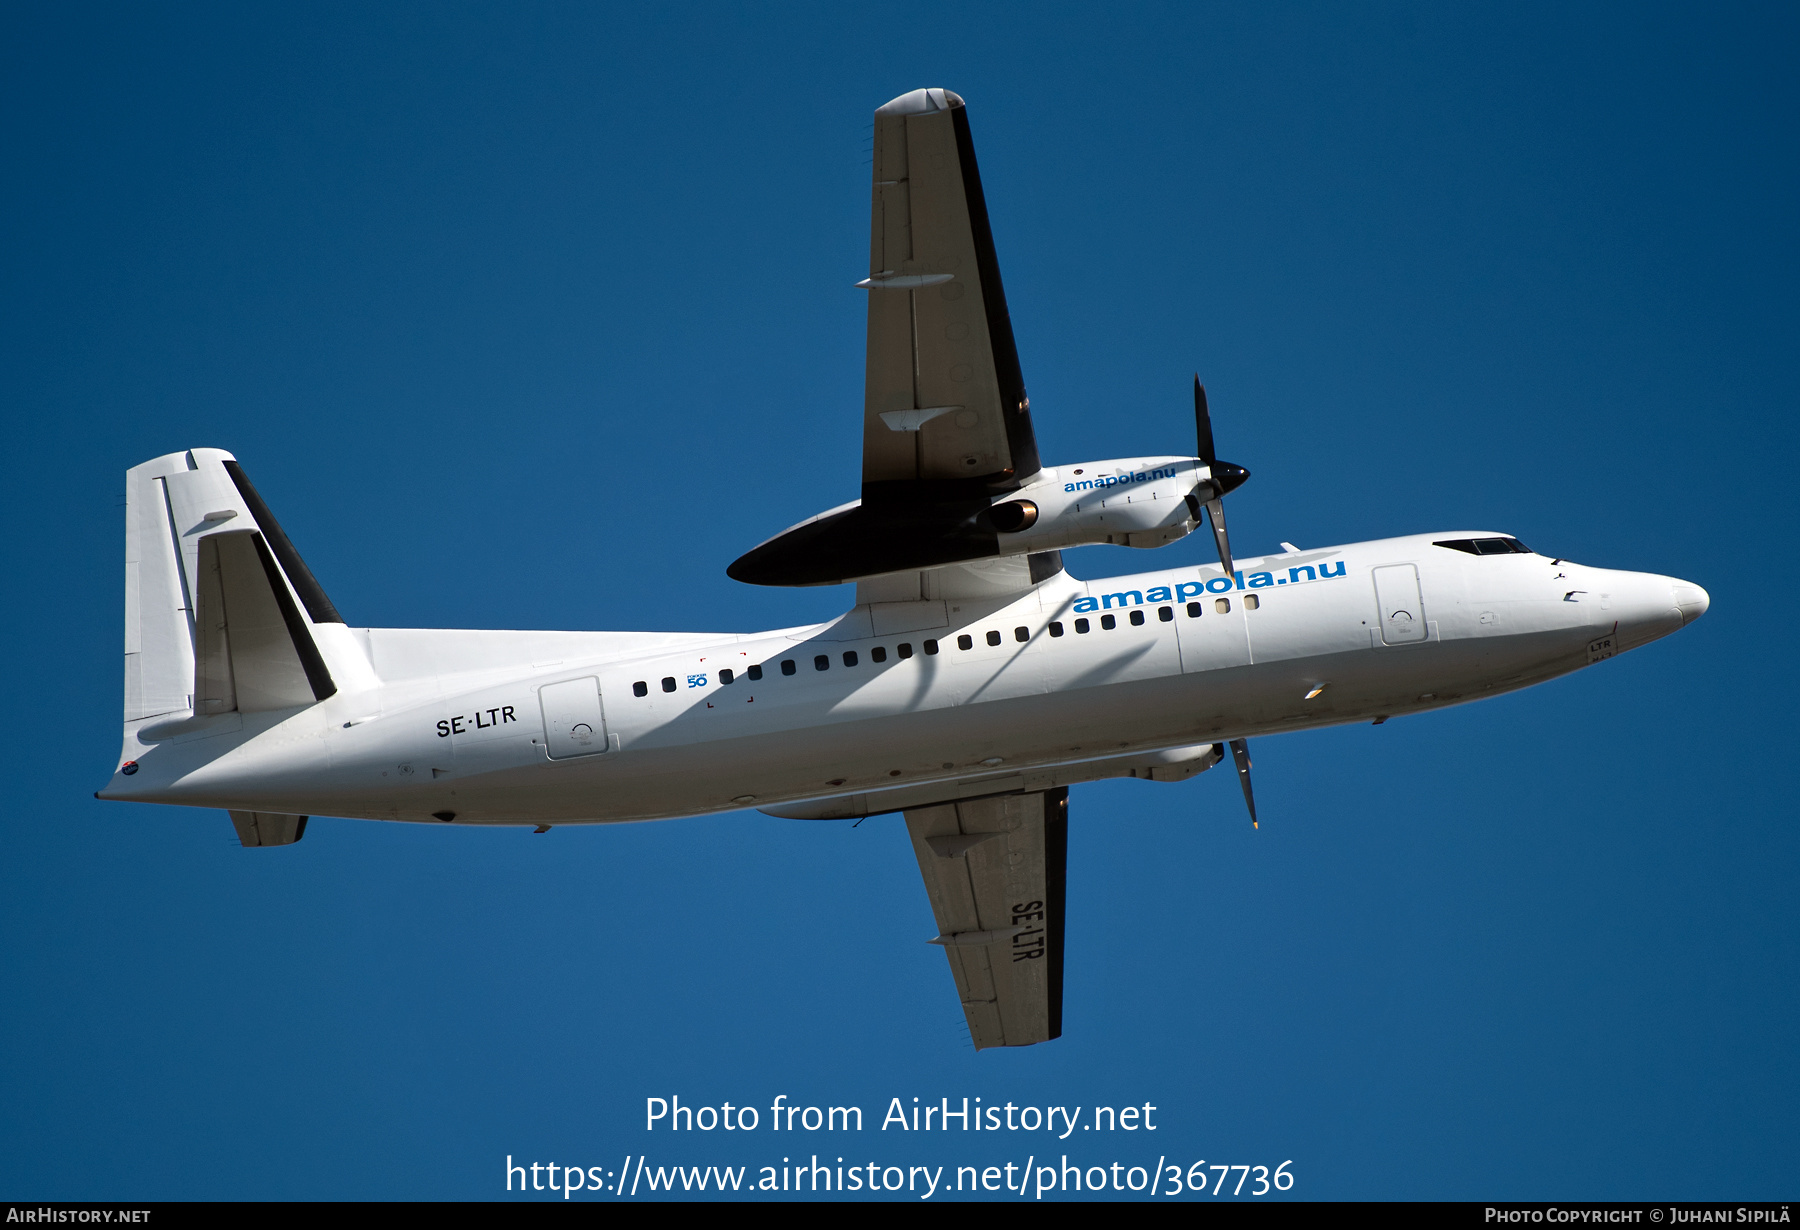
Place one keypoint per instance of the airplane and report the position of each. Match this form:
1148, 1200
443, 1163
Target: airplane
970, 685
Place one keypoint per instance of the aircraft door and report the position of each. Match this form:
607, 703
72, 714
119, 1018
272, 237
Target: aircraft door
574, 724
1398, 605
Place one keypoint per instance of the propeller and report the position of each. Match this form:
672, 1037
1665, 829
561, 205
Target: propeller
1223, 477
1240, 755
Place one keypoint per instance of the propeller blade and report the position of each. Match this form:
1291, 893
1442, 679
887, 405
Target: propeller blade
1222, 476
1215, 513
1203, 436
1240, 755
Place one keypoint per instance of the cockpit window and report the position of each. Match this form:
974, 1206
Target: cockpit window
1486, 546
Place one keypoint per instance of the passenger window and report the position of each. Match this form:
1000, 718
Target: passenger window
755, 672
993, 638
904, 649
1165, 614
1137, 619
1193, 610
725, 676
822, 662
1021, 635
1055, 629
878, 654
668, 683
965, 641
1081, 625
930, 648
849, 657
640, 688
788, 667
1108, 622
1252, 602
1222, 605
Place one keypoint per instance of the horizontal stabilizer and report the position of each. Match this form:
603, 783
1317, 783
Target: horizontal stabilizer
267, 828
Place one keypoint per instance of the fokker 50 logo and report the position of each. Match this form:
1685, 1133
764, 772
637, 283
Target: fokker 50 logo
1300, 570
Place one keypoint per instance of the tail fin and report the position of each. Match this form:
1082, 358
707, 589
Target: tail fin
159, 628
221, 613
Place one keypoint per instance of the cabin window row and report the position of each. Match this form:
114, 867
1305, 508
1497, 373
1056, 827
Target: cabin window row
821, 662
1108, 622
904, 650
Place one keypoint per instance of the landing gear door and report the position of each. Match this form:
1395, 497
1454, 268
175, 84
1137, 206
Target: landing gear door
1398, 605
574, 724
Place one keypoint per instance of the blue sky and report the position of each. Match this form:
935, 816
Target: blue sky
538, 316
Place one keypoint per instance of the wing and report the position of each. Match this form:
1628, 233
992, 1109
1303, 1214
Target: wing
944, 402
946, 424
995, 870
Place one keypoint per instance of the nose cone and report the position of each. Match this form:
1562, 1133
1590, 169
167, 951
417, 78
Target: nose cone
1690, 600
1643, 603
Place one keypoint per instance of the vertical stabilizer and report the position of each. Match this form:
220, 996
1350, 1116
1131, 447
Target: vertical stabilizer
159, 626
221, 613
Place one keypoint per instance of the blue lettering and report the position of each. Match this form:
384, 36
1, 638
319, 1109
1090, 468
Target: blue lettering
1259, 580
1159, 594
1219, 585
1239, 578
1188, 589
1137, 599
1294, 573
1327, 572
1086, 604
1068, 486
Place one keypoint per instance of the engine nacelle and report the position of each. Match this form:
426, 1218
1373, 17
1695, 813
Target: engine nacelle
1134, 502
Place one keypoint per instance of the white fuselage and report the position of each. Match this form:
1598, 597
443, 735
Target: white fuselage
453, 723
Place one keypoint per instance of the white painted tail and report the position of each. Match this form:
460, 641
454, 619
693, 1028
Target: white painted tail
221, 613
222, 616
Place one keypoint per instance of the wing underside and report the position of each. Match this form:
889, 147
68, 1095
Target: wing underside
996, 870
944, 398
946, 423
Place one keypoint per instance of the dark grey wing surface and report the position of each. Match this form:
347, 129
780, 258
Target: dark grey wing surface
946, 423
944, 398
996, 871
